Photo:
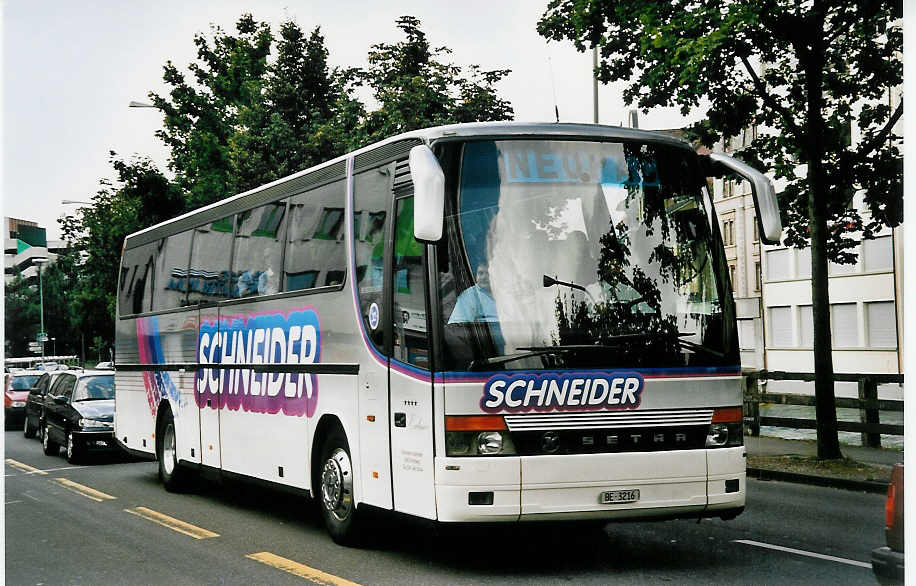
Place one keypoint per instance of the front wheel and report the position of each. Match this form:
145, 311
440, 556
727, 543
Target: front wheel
173, 477
74, 451
48, 445
335, 490
27, 429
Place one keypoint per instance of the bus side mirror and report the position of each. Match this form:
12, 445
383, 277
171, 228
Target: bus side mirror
761, 187
428, 194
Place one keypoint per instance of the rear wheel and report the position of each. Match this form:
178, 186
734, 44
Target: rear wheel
28, 430
48, 445
335, 490
174, 478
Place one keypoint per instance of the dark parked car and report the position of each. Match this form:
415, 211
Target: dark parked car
79, 414
15, 394
887, 562
35, 403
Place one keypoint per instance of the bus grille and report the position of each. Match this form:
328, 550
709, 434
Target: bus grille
591, 433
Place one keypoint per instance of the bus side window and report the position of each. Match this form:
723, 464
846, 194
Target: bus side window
170, 277
258, 251
371, 191
208, 275
409, 317
316, 253
136, 284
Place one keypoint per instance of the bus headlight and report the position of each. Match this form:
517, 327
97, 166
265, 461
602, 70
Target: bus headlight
489, 442
726, 429
717, 436
477, 435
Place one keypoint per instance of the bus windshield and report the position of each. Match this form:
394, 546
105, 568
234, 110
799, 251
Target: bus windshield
575, 254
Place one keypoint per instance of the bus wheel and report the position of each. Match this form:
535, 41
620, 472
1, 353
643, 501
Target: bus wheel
335, 494
173, 477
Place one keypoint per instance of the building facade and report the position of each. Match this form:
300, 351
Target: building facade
24, 242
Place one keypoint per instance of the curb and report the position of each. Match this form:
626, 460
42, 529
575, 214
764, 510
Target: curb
871, 486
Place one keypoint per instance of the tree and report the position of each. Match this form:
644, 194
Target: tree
415, 89
826, 66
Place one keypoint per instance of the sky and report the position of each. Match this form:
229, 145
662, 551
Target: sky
71, 68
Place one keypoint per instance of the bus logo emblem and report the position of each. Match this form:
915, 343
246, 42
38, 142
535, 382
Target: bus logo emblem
562, 392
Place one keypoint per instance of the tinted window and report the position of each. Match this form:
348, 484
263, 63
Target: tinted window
135, 291
410, 342
209, 271
94, 388
64, 386
258, 250
316, 254
172, 272
370, 200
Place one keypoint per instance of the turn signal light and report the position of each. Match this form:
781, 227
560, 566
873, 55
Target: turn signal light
474, 423
728, 415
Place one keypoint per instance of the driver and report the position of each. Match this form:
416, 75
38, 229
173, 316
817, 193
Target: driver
475, 304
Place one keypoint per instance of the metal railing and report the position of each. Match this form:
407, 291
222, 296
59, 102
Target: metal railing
867, 403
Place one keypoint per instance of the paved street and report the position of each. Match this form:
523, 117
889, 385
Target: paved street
110, 522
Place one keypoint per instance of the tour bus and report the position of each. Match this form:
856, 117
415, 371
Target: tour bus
469, 323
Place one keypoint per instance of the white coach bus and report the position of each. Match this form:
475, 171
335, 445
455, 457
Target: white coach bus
484, 322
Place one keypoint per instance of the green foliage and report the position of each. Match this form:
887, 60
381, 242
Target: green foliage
827, 64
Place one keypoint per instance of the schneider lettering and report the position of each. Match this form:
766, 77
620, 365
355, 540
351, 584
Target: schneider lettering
526, 392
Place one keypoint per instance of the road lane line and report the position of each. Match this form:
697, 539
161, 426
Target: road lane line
80, 489
301, 570
172, 523
811, 554
24, 467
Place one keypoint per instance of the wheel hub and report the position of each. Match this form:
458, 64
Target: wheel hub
337, 485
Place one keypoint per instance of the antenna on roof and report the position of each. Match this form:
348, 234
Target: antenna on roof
553, 85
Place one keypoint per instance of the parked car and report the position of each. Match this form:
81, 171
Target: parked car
15, 393
35, 403
887, 561
79, 414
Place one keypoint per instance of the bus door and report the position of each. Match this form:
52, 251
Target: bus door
409, 375
209, 382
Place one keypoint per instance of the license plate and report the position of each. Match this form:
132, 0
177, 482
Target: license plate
619, 496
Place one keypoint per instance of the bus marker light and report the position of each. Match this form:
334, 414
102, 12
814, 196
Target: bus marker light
374, 474
475, 423
370, 418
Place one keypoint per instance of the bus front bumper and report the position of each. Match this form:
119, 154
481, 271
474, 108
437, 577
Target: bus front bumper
688, 483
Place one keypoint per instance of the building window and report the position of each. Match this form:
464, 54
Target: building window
731, 274
803, 262
728, 232
781, 327
754, 224
747, 335
878, 253
806, 324
845, 325
882, 324
757, 276
778, 264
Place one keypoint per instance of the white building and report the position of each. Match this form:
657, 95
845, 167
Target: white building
25, 241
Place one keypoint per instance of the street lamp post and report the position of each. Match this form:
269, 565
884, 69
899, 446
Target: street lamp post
41, 299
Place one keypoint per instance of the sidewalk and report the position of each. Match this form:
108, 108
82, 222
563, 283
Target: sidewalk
796, 461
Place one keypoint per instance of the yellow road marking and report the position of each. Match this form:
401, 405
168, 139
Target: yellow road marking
90, 493
301, 570
24, 467
172, 523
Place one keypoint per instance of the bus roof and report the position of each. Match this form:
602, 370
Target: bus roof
325, 172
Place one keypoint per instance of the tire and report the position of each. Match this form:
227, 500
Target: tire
174, 478
48, 445
74, 450
27, 429
335, 491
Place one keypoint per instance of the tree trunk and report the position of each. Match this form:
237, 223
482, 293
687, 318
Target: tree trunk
828, 444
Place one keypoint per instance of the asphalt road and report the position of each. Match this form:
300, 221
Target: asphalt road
102, 523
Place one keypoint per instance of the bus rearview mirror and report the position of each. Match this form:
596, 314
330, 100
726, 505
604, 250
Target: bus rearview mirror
428, 194
762, 189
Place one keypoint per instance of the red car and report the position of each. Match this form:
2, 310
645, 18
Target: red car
887, 562
15, 394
